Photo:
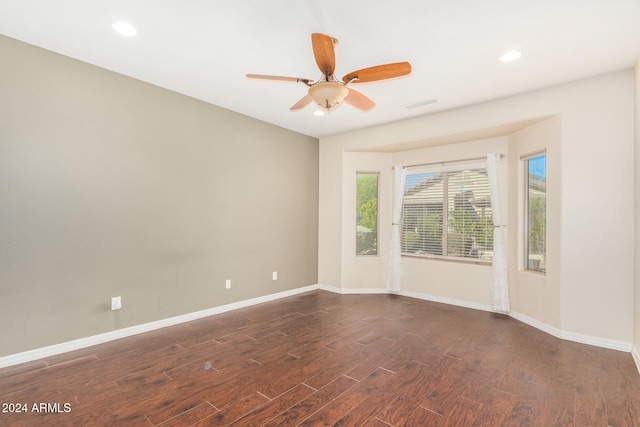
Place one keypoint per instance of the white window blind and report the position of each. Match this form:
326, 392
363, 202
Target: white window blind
447, 213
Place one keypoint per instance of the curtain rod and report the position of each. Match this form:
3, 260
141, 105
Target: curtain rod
449, 161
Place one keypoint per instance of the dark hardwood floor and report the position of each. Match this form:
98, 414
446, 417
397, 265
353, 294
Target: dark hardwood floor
325, 359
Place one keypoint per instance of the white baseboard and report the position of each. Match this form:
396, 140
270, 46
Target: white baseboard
565, 335
572, 336
444, 300
636, 357
353, 291
369, 291
64, 347
537, 324
598, 342
40, 353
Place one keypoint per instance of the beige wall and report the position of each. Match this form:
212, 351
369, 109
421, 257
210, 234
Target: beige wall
636, 340
532, 294
365, 271
589, 292
113, 187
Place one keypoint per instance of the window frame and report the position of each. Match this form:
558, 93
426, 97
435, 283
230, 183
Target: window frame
377, 230
480, 166
525, 158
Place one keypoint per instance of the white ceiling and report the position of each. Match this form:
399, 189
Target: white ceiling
204, 48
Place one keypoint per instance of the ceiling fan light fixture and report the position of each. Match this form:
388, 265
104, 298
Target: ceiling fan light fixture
328, 94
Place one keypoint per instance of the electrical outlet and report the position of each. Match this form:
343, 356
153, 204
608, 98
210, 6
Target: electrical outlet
274, 275
116, 303
227, 283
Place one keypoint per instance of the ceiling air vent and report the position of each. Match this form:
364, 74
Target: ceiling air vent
421, 103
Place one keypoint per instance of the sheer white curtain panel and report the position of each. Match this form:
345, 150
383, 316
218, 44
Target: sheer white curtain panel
499, 286
394, 276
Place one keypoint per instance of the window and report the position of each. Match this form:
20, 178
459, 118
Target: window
447, 214
367, 214
536, 212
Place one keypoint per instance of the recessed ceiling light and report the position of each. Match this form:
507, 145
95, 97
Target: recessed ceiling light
318, 113
124, 28
511, 56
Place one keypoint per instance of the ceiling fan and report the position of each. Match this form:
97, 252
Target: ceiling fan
329, 92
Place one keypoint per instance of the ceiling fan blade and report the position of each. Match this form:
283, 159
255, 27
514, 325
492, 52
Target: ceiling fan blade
380, 72
279, 78
359, 101
324, 52
304, 101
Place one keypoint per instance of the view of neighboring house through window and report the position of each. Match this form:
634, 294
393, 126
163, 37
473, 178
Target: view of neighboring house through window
367, 214
536, 212
447, 214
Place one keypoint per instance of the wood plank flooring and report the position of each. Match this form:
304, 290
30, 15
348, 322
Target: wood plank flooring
326, 359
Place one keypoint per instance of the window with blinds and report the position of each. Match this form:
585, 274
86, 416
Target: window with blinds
447, 214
